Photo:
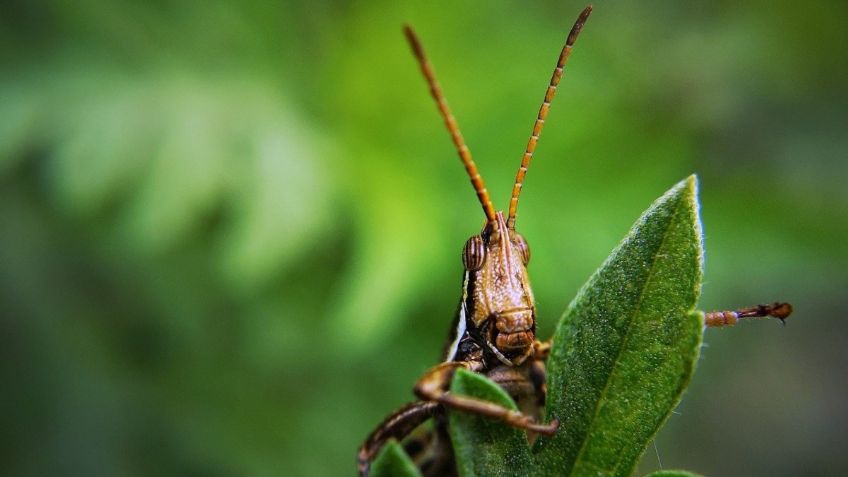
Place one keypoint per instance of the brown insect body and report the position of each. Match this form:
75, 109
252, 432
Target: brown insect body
494, 334
494, 331
497, 304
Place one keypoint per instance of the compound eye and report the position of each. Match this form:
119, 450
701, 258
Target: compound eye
474, 253
523, 248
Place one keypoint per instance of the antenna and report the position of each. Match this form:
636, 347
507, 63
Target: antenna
450, 122
543, 113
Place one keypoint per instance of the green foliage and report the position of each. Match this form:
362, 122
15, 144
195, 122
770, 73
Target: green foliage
392, 461
482, 446
622, 356
626, 347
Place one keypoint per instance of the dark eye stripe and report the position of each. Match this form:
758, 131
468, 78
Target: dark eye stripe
474, 253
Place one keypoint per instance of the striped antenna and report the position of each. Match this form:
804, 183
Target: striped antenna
450, 122
543, 113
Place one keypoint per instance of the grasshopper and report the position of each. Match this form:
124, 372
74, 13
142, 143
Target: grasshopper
494, 330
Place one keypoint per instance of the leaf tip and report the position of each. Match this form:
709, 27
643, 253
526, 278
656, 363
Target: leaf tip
692, 183
688, 188
393, 461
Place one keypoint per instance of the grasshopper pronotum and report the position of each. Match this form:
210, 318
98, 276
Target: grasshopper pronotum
494, 331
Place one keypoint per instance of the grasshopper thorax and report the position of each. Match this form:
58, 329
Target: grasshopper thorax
498, 305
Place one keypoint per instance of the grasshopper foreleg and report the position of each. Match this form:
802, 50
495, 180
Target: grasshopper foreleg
433, 386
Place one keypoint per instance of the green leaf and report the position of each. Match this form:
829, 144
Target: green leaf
481, 445
673, 473
392, 461
626, 347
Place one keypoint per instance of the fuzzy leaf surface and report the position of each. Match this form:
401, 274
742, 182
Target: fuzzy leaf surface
626, 347
482, 446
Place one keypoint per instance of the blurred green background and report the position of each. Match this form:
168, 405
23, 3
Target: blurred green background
230, 232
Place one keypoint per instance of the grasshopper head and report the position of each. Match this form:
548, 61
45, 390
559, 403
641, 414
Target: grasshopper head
499, 307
